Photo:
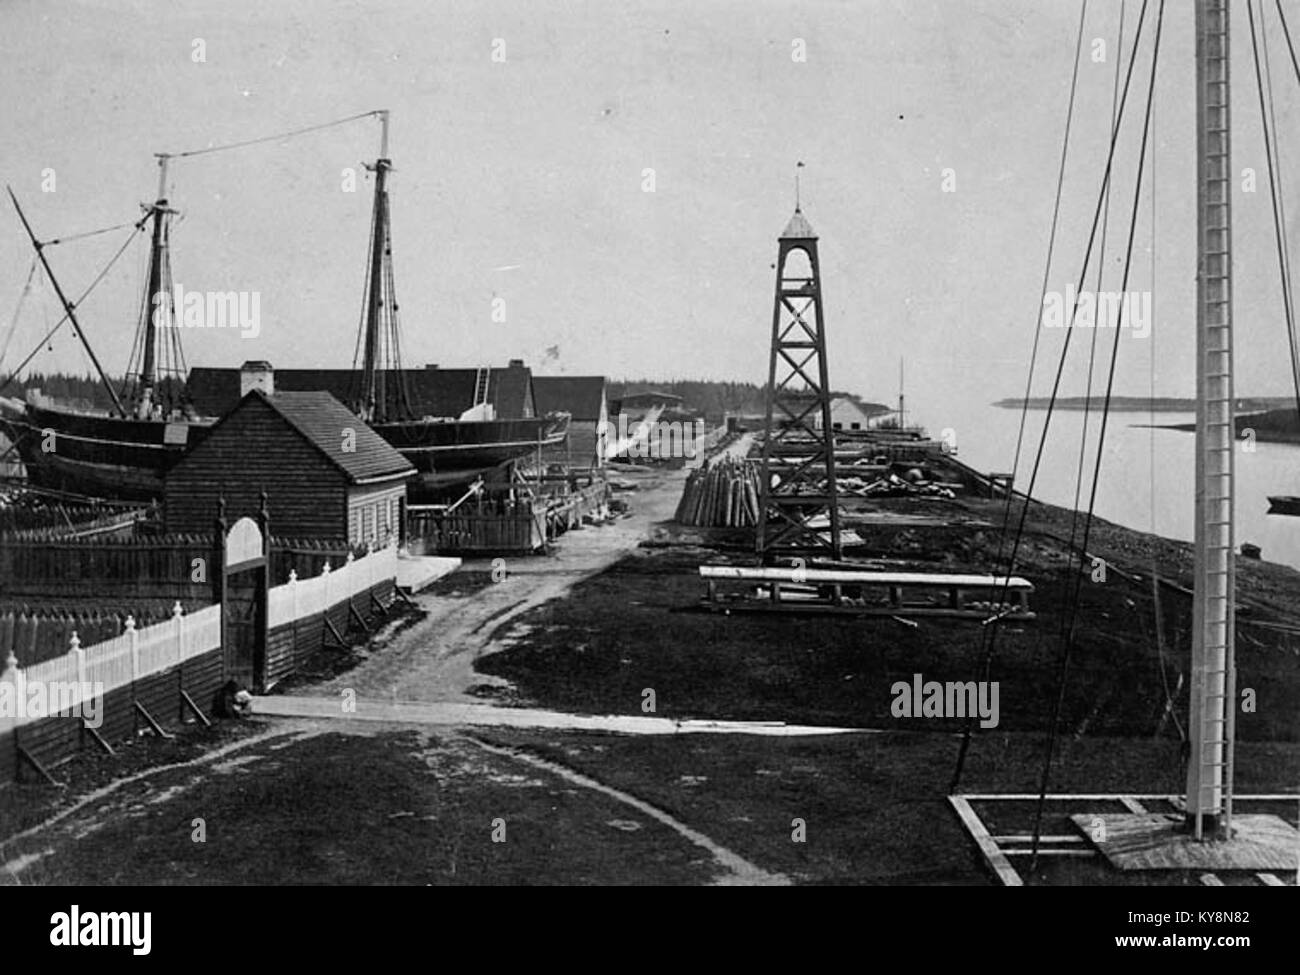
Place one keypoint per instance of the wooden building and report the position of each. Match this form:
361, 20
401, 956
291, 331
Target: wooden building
584, 399
850, 414
432, 392
326, 474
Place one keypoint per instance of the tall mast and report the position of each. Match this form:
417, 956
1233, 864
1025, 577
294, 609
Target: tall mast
371, 381
902, 417
67, 305
1213, 691
156, 300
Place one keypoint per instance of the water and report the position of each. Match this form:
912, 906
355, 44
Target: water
1127, 494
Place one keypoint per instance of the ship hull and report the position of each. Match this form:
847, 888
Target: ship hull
447, 453
1281, 504
95, 455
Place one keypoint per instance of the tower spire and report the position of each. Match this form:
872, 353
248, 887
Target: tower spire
798, 503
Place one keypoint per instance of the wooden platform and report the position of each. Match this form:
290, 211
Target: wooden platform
1140, 838
1159, 842
866, 592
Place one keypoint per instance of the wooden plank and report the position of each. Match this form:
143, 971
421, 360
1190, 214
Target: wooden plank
27, 757
149, 720
1159, 842
1133, 806
993, 856
1029, 838
1210, 880
865, 577
98, 738
815, 608
188, 702
1269, 880
1116, 797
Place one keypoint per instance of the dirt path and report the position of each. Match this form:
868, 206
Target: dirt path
739, 870
479, 714
434, 660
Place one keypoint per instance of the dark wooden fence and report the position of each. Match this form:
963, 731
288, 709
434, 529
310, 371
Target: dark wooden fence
37, 633
167, 567
167, 678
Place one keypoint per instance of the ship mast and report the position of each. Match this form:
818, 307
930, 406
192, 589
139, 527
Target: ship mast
372, 392
67, 305
157, 301
1213, 692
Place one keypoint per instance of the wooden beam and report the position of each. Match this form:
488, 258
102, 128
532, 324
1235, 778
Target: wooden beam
30, 759
1133, 806
333, 630
188, 702
99, 739
353, 614
149, 719
1270, 880
993, 856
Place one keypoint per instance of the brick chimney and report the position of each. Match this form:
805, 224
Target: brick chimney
256, 374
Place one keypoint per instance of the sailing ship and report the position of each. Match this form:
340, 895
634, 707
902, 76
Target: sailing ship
123, 453
446, 451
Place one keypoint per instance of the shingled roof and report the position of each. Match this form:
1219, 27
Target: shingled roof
433, 391
321, 420
580, 396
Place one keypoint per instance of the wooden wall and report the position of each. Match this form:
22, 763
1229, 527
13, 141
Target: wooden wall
251, 451
55, 740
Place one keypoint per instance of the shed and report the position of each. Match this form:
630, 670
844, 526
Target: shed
848, 413
326, 474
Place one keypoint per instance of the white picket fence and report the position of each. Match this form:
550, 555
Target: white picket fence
138, 653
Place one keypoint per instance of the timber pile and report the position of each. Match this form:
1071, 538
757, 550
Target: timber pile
721, 494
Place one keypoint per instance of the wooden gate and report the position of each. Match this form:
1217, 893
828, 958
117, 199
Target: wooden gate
242, 588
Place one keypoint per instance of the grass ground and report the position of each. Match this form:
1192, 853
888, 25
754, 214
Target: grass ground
296, 801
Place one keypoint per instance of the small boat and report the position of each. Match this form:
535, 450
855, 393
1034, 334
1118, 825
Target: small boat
1284, 504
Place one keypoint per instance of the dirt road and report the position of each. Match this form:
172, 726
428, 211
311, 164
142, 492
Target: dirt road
434, 660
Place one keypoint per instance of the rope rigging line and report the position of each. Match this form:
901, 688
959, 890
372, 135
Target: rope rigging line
1101, 443
89, 233
1033, 355
1092, 348
278, 137
990, 642
18, 308
138, 228
1272, 149
1156, 606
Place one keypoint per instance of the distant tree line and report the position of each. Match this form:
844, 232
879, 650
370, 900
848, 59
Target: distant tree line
79, 392
715, 398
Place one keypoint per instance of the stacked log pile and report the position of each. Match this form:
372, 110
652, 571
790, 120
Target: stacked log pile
722, 494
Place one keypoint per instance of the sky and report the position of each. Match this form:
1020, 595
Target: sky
524, 179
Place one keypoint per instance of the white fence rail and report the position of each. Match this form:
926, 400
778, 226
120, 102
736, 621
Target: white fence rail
136, 654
